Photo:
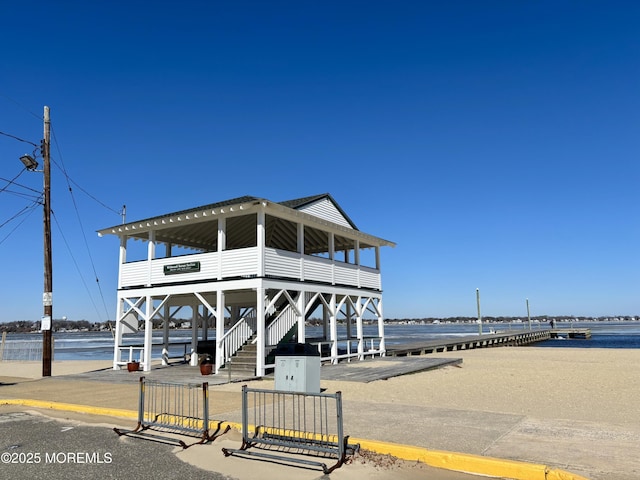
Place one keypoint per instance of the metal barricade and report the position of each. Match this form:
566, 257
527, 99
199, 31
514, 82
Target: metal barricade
293, 423
175, 409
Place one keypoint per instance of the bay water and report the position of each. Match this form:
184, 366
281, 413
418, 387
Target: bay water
99, 345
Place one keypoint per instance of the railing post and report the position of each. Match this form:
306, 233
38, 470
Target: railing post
141, 402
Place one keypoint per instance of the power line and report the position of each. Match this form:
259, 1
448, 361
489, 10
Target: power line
71, 181
19, 139
9, 182
80, 273
12, 181
29, 209
22, 106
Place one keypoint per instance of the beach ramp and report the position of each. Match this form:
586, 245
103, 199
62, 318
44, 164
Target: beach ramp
169, 411
293, 427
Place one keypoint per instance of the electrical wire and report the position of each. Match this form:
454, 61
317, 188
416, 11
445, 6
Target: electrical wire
29, 210
19, 185
10, 182
19, 139
80, 273
84, 236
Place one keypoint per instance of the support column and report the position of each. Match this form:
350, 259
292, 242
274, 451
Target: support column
302, 304
333, 328
360, 329
117, 341
194, 337
148, 332
381, 328
166, 316
222, 243
151, 254
301, 249
220, 309
123, 258
260, 236
260, 314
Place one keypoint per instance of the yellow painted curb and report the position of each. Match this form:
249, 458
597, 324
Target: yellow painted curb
110, 412
467, 463
461, 462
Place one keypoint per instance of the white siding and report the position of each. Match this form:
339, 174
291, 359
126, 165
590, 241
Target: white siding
208, 268
133, 274
317, 269
240, 263
281, 263
325, 209
244, 263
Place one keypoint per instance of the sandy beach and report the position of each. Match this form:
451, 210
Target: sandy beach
568, 408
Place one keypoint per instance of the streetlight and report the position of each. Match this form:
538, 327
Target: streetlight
47, 297
29, 162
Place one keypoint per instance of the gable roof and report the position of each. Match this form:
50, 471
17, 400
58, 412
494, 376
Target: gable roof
306, 204
186, 227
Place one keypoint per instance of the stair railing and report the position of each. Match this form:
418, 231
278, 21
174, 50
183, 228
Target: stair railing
283, 323
237, 336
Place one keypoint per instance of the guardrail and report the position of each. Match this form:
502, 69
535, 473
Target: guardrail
291, 424
174, 409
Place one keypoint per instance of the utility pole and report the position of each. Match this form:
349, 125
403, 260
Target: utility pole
479, 316
47, 296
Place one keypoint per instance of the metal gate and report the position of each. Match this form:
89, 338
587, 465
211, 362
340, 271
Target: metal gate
175, 409
292, 423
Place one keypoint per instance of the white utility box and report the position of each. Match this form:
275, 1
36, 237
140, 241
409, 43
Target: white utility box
298, 374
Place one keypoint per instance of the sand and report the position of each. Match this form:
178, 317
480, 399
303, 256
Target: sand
585, 400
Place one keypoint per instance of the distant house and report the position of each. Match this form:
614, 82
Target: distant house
267, 266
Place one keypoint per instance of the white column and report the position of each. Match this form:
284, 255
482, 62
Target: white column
122, 259
378, 268
333, 329
332, 256
222, 243
381, 328
151, 254
360, 329
356, 253
260, 304
301, 249
148, 332
220, 309
165, 334
194, 337
260, 235
117, 341
301, 325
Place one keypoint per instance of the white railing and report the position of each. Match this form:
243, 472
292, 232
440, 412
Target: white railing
236, 337
130, 353
277, 329
370, 346
244, 263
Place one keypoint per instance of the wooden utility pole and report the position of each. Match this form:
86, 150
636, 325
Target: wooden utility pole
47, 299
479, 316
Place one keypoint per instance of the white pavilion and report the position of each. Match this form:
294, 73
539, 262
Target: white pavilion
254, 271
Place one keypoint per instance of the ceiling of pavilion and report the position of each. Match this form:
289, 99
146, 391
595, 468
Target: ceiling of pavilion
241, 231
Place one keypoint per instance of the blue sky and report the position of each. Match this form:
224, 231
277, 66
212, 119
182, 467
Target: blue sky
495, 142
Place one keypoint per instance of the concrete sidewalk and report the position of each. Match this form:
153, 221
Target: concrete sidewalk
387, 427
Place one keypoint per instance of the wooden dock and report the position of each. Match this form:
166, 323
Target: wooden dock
576, 333
469, 342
